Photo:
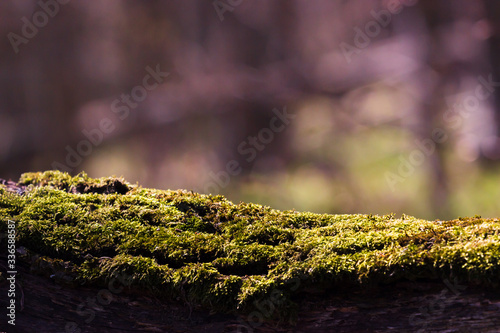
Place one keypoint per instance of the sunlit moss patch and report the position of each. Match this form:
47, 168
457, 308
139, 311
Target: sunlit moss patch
207, 251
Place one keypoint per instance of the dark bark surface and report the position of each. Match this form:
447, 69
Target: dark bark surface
44, 305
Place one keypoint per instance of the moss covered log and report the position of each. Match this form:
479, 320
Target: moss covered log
210, 253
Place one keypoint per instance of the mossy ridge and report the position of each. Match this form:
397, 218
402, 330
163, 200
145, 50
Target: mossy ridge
208, 251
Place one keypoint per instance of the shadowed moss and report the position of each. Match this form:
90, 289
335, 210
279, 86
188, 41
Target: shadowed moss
206, 251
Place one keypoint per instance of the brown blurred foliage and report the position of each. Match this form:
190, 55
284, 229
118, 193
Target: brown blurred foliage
368, 81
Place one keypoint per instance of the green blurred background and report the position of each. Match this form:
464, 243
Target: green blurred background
367, 82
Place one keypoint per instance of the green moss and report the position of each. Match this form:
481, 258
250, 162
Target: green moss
209, 252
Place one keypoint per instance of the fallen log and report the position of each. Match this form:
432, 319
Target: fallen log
102, 255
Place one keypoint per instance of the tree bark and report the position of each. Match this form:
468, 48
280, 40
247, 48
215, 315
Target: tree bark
46, 305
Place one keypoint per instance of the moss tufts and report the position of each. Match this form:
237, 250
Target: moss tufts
206, 251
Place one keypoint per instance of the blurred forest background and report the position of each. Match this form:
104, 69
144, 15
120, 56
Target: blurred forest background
393, 105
